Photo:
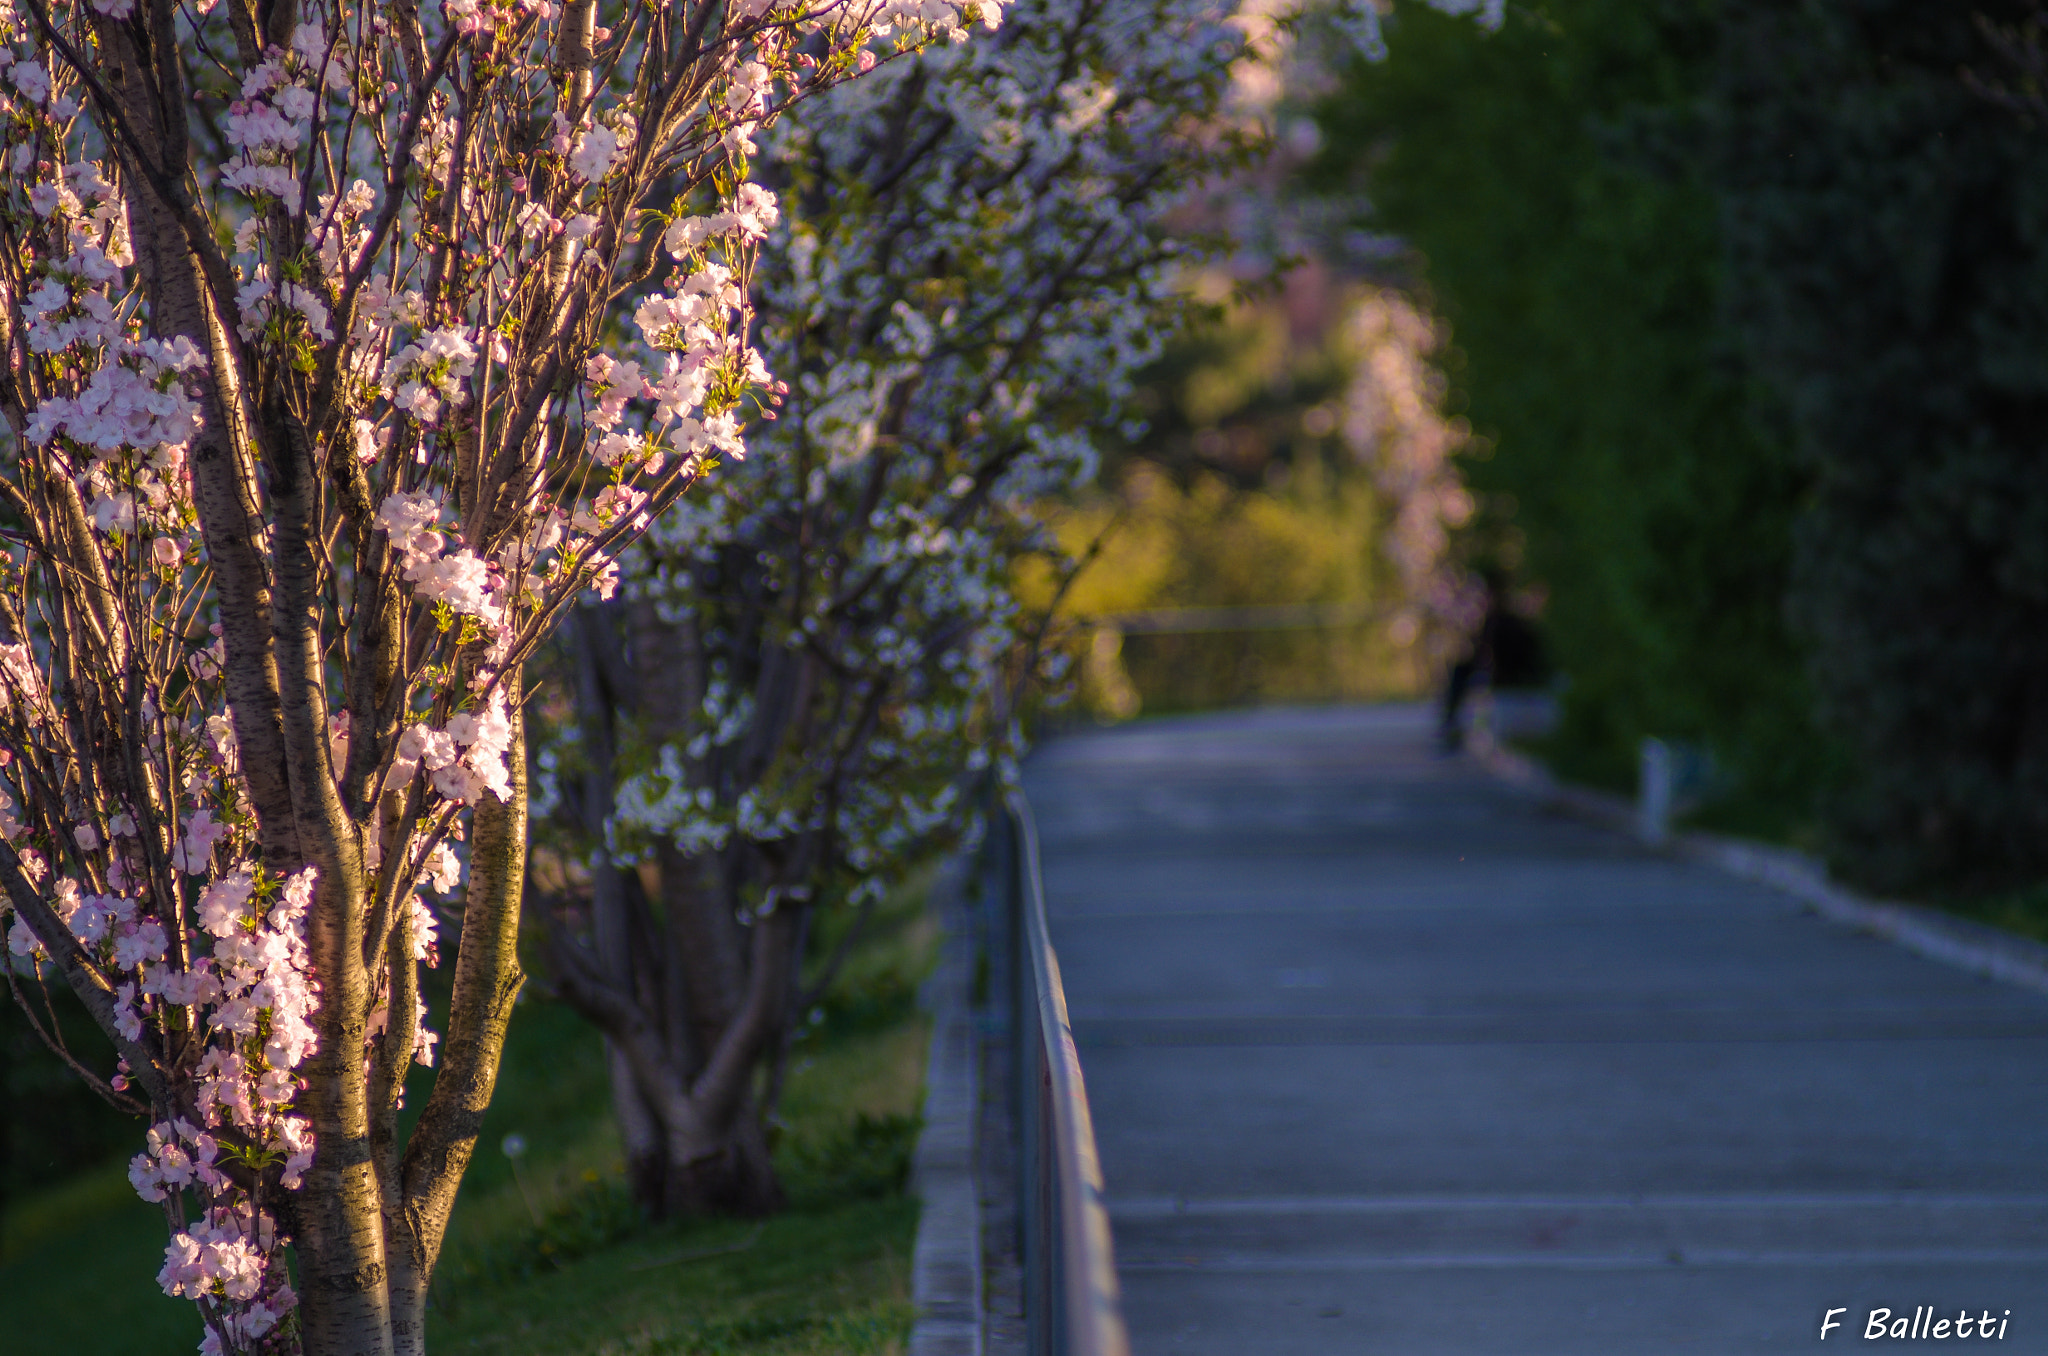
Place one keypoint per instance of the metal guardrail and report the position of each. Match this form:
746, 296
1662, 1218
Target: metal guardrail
1191, 621
1072, 1306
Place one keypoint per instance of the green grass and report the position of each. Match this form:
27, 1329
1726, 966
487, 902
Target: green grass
78, 1274
832, 1279
2024, 911
553, 1260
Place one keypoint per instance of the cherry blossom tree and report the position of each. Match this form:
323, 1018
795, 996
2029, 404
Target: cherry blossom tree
1393, 421
322, 407
780, 711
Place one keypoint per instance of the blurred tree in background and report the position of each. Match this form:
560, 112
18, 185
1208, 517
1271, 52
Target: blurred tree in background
1277, 525
1751, 295
1885, 230
1547, 177
1282, 529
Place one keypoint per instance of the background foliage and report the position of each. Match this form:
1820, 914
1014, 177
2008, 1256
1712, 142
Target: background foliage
1885, 236
1240, 493
1547, 177
1750, 295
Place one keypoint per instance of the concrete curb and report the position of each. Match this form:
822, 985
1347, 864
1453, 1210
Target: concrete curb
1929, 932
945, 1267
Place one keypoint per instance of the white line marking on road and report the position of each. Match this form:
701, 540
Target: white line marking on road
1169, 1207
1280, 1264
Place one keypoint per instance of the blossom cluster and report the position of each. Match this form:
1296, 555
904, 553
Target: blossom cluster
226, 1260
967, 266
252, 998
464, 759
1393, 421
350, 380
956, 341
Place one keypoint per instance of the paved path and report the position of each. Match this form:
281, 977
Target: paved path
1385, 1060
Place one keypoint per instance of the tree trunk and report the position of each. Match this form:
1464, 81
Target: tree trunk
738, 1179
711, 1154
639, 1133
689, 999
487, 983
688, 1110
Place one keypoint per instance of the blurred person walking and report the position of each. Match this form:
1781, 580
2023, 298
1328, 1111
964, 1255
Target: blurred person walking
1505, 652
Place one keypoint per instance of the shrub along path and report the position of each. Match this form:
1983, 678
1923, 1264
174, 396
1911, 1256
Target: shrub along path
1384, 1059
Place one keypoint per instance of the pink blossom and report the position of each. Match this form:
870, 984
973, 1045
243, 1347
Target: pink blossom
143, 1176
461, 579
681, 389
20, 941
222, 903
747, 95
146, 943
275, 181
664, 321
297, 103
309, 41
126, 1021
31, 79
615, 448
620, 382
295, 898
263, 78
295, 1136
714, 282
724, 432
595, 153
182, 1271
444, 873
457, 783
534, 223
756, 211
88, 921
404, 516
292, 1038
468, 16
685, 234
259, 125
370, 441
185, 988
437, 748
614, 504
201, 835
65, 899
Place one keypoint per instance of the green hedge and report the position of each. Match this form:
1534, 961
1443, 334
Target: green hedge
1549, 178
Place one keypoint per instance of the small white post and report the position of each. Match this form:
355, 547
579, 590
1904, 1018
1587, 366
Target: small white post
1653, 793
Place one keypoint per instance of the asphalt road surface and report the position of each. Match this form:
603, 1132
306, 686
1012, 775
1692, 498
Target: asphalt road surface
1385, 1059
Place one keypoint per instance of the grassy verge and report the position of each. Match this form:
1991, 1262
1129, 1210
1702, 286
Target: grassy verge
546, 1255
78, 1274
2024, 911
